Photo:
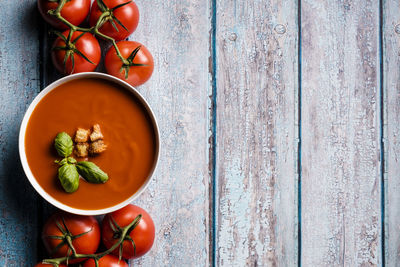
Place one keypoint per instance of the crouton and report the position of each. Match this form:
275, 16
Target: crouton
81, 150
96, 134
81, 135
97, 147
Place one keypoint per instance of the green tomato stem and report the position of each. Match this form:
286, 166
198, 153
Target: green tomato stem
61, 5
66, 22
124, 60
69, 243
102, 20
57, 14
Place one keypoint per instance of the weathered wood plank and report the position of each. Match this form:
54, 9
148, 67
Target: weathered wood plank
256, 153
391, 89
177, 33
19, 83
341, 214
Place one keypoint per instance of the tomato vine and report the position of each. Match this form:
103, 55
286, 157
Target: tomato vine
107, 15
121, 232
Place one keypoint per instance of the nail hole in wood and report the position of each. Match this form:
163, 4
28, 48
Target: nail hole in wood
397, 29
280, 28
233, 36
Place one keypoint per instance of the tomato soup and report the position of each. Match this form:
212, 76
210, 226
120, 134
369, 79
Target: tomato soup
128, 132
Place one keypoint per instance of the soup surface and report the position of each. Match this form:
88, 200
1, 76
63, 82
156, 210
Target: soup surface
128, 133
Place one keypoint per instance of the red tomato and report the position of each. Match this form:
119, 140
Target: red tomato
83, 230
140, 67
142, 235
107, 261
48, 265
75, 11
127, 15
86, 45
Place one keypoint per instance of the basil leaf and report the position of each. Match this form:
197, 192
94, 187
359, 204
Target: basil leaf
91, 172
63, 144
69, 177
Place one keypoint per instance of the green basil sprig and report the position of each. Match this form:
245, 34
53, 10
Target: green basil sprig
91, 172
69, 177
63, 144
70, 169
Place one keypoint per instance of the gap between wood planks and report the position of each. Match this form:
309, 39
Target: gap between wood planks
213, 138
299, 134
382, 134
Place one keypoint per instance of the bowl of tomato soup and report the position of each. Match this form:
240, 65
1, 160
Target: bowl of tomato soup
130, 131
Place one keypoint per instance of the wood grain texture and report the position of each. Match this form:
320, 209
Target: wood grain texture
19, 83
177, 33
391, 89
341, 214
256, 153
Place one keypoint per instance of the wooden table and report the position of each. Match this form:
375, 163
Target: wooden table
280, 127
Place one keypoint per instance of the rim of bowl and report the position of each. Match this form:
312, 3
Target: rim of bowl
22, 132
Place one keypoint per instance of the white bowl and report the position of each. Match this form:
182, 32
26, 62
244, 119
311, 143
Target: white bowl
28, 114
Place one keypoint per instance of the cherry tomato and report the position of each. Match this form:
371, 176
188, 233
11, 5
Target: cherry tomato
120, 12
107, 261
142, 235
48, 265
83, 230
140, 67
75, 11
82, 46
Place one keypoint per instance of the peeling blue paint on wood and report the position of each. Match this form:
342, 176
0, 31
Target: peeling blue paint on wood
341, 165
19, 83
257, 129
177, 33
391, 130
